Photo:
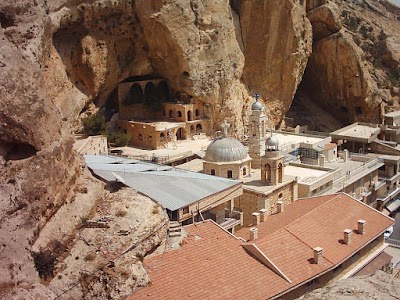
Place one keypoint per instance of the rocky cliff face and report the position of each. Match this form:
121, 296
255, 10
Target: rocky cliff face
58, 57
353, 69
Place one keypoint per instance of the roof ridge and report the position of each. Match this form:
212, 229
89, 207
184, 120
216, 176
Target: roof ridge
214, 178
315, 208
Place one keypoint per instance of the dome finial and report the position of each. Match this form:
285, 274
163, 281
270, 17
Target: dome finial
225, 125
257, 105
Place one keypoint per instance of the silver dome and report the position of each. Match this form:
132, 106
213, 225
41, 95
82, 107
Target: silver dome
257, 106
272, 142
225, 150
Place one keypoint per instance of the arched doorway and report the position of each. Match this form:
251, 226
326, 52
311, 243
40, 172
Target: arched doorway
163, 91
150, 93
212, 172
135, 95
268, 172
180, 134
162, 136
199, 128
189, 115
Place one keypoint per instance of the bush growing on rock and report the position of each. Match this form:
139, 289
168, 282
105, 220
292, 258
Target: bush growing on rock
94, 125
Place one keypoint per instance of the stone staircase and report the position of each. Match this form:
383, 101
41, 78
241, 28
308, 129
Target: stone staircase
174, 229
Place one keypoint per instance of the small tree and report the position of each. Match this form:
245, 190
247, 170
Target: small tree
119, 139
94, 124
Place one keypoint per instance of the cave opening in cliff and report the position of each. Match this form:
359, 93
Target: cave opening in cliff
16, 150
307, 111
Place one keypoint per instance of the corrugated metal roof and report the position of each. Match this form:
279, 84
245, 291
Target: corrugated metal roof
172, 188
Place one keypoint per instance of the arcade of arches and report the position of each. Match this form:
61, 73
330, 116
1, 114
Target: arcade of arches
155, 115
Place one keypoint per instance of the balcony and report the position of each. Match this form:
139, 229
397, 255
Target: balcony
232, 218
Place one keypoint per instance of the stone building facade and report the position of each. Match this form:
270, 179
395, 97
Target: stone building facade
154, 115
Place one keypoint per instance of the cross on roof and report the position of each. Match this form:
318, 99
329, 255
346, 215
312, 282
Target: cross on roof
257, 96
225, 126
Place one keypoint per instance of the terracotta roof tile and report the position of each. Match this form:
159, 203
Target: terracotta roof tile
214, 265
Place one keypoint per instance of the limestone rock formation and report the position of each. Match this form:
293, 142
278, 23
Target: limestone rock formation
277, 41
354, 64
60, 57
377, 286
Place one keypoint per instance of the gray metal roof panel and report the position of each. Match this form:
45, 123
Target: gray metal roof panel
172, 188
174, 192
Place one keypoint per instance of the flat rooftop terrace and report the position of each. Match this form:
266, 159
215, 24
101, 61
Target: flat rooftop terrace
357, 131
393, 114
304, 174
253, 182
158, 125
184, 148
287, 139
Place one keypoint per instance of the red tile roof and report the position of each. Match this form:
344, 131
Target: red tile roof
214, 265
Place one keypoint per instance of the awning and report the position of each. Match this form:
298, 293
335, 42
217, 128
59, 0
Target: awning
393, 205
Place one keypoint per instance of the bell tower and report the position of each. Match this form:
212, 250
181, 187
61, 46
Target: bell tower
258, 122
272, 164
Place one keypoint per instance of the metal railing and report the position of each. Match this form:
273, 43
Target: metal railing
393, 242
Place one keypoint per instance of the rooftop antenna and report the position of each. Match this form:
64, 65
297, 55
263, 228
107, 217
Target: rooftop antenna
225, 126
257, 96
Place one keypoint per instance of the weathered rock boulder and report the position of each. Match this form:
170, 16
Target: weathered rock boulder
277, 41
193, 44
337, 79
325, 20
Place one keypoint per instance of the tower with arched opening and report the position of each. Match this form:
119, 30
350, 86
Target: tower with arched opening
258, 120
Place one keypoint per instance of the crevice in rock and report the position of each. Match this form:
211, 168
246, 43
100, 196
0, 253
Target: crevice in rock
16, 150
7, 17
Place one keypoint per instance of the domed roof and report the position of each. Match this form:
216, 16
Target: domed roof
257, 106
272, 142
225, 150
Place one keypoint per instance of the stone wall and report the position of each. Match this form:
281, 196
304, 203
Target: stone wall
252, 201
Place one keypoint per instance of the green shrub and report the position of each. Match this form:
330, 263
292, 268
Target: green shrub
118, 138
94, 124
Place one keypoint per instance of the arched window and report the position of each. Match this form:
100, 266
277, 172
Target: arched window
268, 172
179, 114
150, 93
280, 173
140, 137
212, 172
191, 128
197, 112
198, 128
171, 114
244, 171
189, 115
229, 174
150, 138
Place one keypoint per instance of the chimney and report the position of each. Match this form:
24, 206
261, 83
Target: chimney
322, 160
361, 226
253, 234
346, 155
255, 218
347, 236
263, 214
318, 251
280, 205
